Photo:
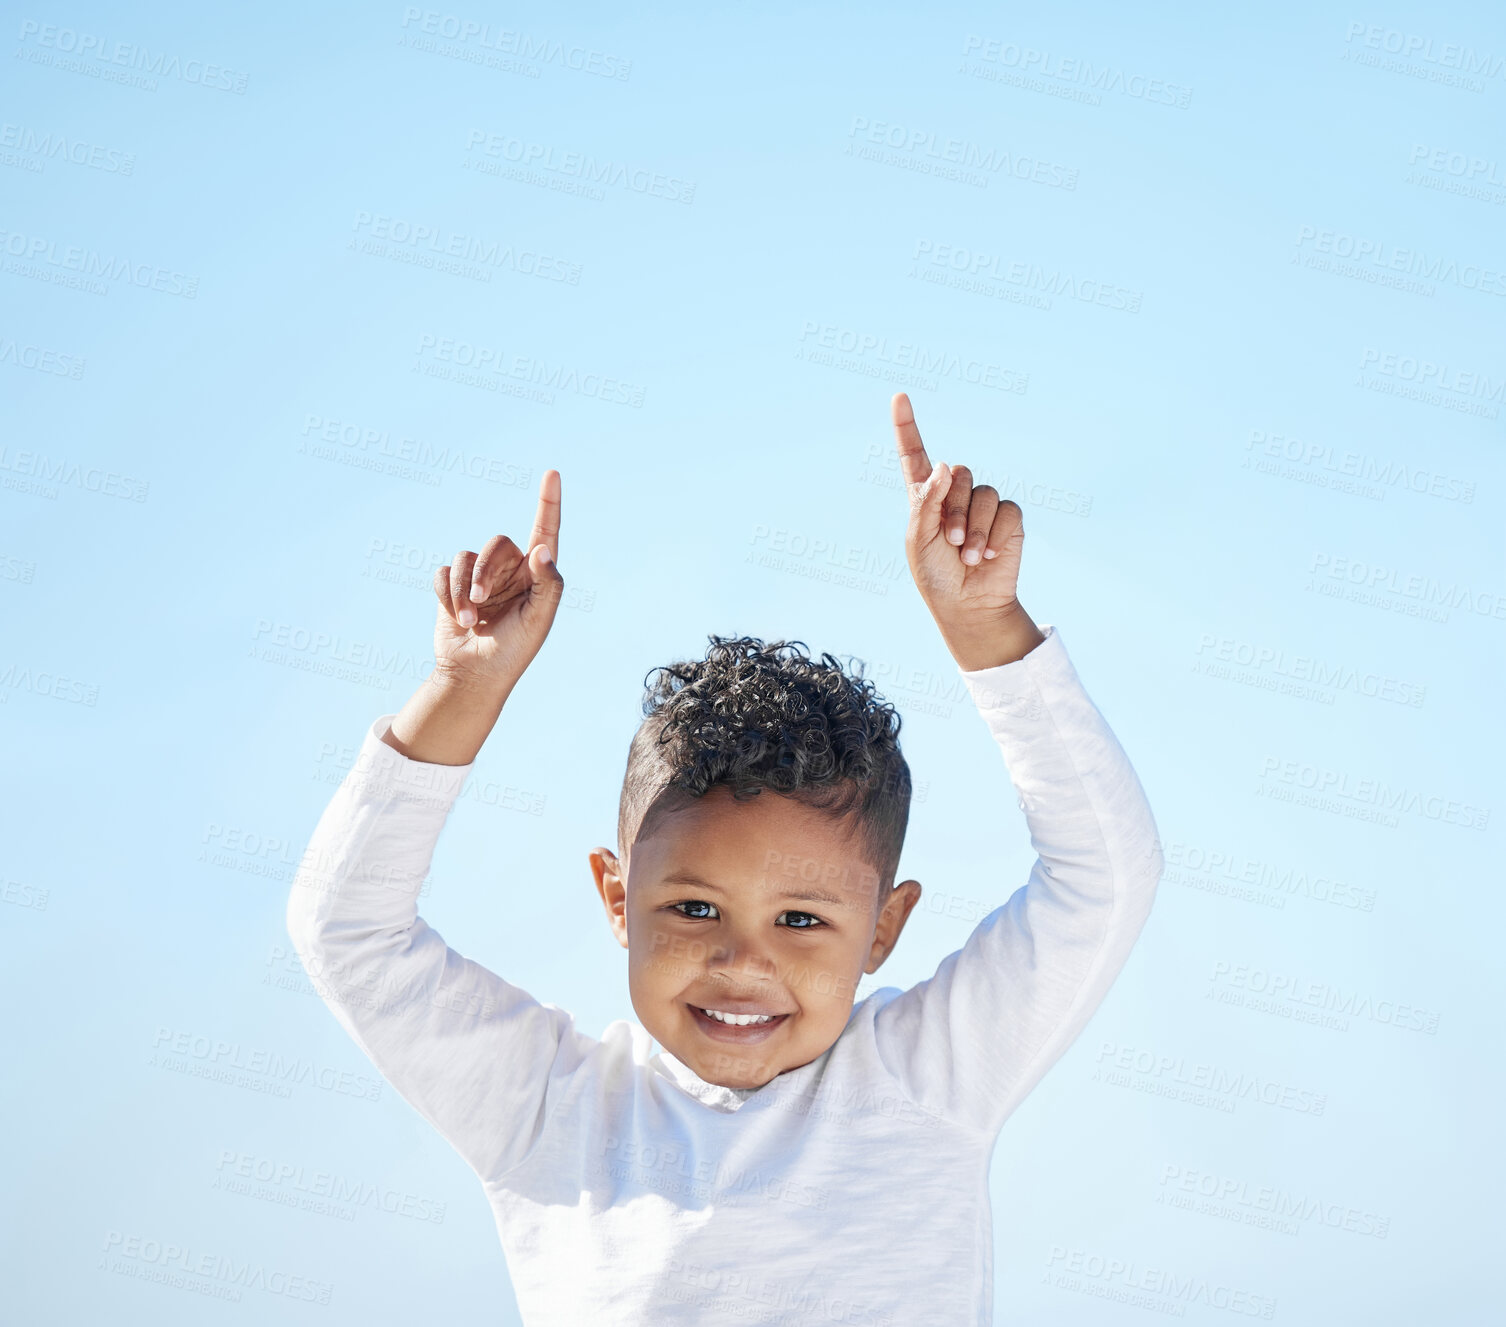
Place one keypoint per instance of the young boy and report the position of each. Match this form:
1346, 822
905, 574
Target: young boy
788, 1157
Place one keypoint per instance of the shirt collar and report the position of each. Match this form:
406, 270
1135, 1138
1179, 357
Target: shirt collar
713, 1094
732, 1098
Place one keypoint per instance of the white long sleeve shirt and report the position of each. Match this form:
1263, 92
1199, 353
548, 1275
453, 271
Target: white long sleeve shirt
854, 1189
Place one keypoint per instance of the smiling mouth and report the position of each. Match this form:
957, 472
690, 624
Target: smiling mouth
761, 1027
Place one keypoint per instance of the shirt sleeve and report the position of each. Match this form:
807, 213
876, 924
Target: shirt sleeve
971, 1041
479, 1058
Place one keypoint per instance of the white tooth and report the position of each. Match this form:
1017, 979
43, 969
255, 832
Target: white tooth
737, 1020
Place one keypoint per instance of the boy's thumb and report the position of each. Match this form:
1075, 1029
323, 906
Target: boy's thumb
937, 485
545, 574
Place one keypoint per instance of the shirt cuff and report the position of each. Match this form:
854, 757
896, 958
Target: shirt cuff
384, 770
1017, 689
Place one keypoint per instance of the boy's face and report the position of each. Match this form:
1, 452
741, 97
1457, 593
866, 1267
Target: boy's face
759, 907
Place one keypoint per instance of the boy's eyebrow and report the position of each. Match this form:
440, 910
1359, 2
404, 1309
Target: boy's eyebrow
805, 894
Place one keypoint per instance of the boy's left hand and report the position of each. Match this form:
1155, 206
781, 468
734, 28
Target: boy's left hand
963, 544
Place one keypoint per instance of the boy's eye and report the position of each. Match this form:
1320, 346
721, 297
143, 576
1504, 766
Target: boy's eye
809, 924
694, 903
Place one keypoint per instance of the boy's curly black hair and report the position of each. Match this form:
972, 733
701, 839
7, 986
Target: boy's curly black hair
752, 716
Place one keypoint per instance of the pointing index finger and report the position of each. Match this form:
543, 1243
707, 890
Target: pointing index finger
914, 464
546, 524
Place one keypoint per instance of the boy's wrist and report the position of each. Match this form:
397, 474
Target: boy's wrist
457, 681
448, 719
1004, 639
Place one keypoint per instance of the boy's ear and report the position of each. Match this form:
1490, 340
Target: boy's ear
611, 884
891, 921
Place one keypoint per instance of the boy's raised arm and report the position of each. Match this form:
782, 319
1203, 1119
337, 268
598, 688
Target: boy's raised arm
477, 1056
972, 1040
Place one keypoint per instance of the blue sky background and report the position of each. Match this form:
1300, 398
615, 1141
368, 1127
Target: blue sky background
1276, 442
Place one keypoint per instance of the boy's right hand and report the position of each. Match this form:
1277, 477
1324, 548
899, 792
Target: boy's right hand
496, 607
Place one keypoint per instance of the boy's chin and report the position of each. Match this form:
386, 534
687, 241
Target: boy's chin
751, 1072
740, 1076
748, 1071
732, 1068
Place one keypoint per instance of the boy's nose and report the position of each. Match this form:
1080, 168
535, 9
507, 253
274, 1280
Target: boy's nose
742, 958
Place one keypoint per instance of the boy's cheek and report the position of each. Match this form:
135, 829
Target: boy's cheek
829, 979
667, 951
656, 972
